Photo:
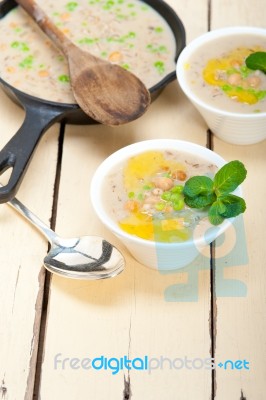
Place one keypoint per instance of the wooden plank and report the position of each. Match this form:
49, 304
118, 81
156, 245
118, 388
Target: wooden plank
240, 313
140, 312
237, 13
21, 255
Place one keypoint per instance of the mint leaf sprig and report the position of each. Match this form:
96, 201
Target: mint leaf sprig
257, 61
202, 191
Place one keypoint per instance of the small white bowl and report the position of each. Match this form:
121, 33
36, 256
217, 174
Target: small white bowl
233, 127
157, 255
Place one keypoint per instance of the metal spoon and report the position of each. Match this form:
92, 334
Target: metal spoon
86, 257
105, 91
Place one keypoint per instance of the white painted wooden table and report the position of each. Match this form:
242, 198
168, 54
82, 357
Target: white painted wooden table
217, 309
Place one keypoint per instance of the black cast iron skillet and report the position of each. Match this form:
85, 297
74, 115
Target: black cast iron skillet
41, 114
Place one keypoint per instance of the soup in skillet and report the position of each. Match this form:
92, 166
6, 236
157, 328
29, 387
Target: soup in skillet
126, 32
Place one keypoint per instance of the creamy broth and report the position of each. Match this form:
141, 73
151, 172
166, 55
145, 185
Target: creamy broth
139, 203
221, 78
126, 32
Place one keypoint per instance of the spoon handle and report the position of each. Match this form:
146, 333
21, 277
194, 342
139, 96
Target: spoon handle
41, 226
45, 23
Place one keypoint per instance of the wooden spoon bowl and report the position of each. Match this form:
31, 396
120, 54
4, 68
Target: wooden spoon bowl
106, 92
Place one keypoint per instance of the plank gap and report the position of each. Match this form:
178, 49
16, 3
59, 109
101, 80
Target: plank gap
242, 397
213, 305
213, 318
47, 280
209, 14
127, 388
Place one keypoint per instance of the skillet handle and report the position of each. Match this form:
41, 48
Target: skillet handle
18, 152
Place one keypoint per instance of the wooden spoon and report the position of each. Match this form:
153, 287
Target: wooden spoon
106, 92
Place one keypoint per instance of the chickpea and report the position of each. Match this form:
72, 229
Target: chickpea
157, 192
180, 175
115, 56
163, 183
147, 193
151, 200
168, 209
131, 205
146, 207
235, 63
235, 79
254, 81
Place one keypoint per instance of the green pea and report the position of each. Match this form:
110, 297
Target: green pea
175, 197
177, 189
27, 62
166, 196
159, 65
131, 35
144, 8
261, 94
110, 3
245, 71
71, 6
147, 187
64, 78
140, 196
162, 49
179, 204
131, 195
159, 206
15, 45
20, 45
87, 40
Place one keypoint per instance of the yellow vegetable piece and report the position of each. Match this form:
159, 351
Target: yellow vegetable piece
145, 227
138, 224
141, 167
172, 224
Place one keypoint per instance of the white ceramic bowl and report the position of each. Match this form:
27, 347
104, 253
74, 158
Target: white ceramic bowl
160, 256
232, 127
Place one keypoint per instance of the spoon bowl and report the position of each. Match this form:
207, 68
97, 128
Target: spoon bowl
86, 257
106, 92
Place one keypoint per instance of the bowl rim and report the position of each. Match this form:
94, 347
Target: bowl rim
136, 148
201, 41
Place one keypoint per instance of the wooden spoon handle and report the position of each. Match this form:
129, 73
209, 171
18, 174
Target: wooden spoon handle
45, 23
